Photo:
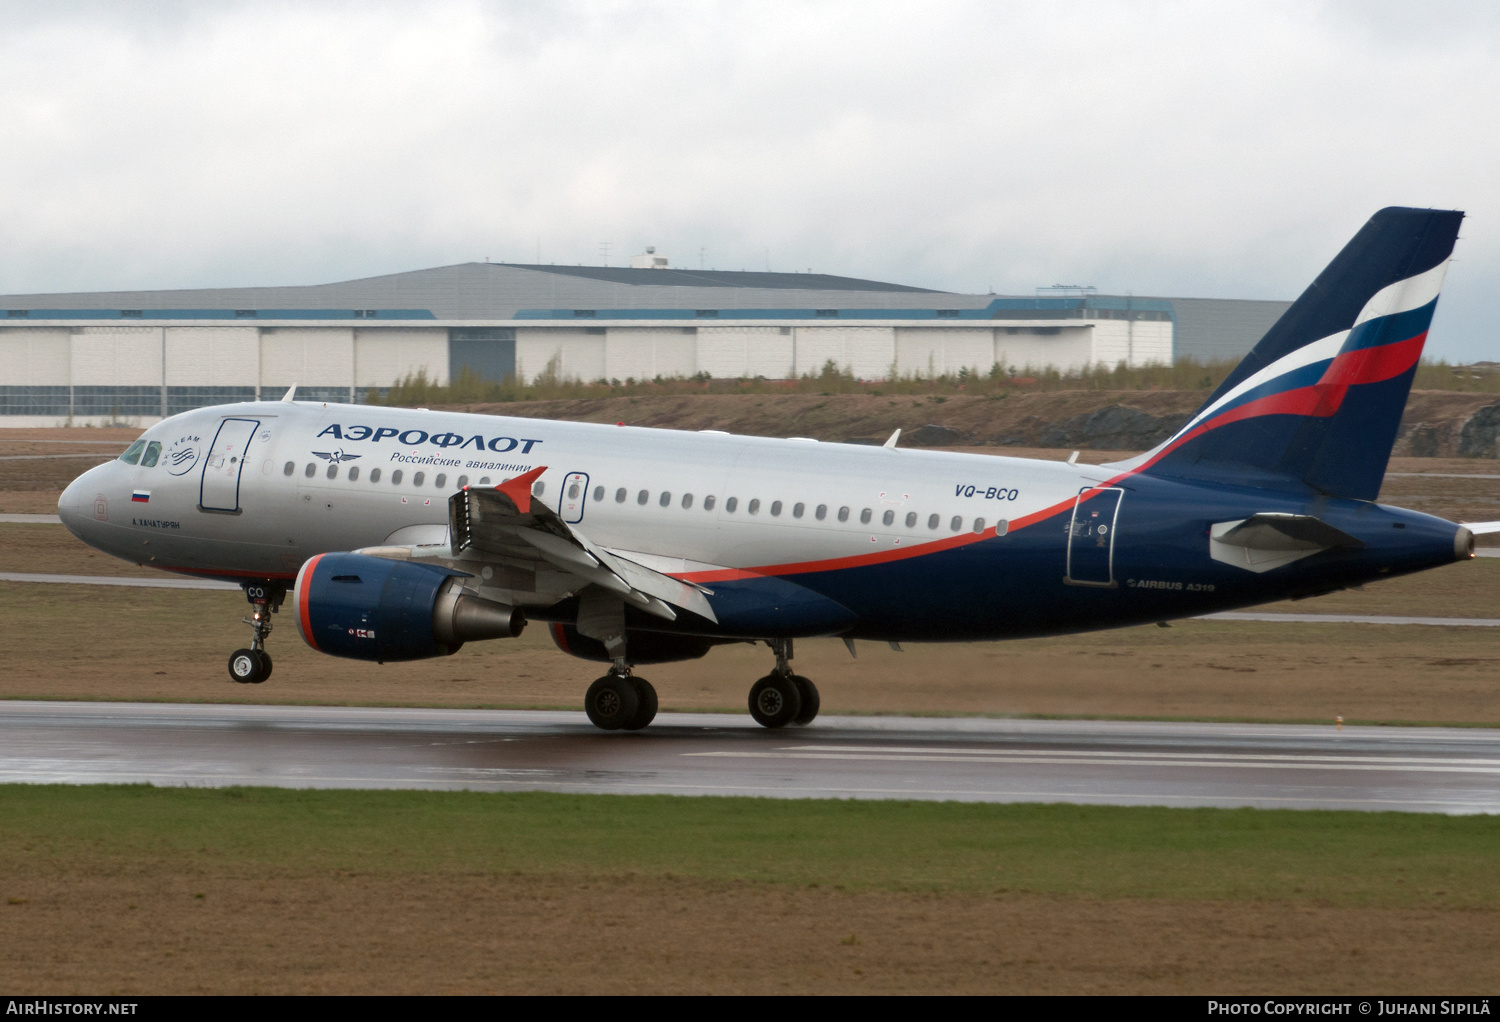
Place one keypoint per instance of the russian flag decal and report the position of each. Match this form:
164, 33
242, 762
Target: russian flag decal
141, 496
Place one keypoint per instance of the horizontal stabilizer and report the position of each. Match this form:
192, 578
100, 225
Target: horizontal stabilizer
1481, 528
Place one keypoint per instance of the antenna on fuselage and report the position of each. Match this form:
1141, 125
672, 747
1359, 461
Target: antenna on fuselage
290, 393
891, 443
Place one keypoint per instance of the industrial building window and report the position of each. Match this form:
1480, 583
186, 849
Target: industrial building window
620, 495
598, 493
947, 313
687, 501
291, 467
666, 498
374, 475
643, 496
354, 473
583, 313
843, 514
440, 481
130, 313
416, 480
731, 504
244, 313
957, 523
705, 312
828, 313
978, 525
864, 517
797, 510
821, 513
754, 507
775, 509
333, 471
396, 478
310, 470
153, 451
888, 518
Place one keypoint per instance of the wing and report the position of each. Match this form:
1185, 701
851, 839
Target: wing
507, 524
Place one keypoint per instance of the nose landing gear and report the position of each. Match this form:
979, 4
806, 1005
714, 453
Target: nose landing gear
782, 697
253, 666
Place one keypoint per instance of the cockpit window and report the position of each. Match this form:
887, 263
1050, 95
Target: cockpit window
133, 452
153, 451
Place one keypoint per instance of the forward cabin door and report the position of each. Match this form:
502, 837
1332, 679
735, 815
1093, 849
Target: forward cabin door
1091, 537
220, 489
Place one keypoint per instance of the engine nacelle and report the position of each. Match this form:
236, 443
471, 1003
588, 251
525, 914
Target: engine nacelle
371, 608
642, 647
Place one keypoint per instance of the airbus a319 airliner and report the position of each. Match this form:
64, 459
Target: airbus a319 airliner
403, 534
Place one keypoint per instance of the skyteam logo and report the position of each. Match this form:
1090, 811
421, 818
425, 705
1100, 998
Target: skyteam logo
182, 454
336, 456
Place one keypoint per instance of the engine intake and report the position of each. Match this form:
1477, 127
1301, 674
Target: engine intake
370, 608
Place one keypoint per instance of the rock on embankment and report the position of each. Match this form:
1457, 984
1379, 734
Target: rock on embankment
1436, 424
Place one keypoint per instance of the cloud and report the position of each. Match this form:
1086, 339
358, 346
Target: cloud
1167, 148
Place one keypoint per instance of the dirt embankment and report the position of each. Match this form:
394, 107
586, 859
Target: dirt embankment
1437, 424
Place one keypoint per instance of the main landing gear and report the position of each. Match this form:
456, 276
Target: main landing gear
620, 701
253, 666
782, 697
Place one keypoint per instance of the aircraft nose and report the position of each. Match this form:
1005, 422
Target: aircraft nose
79, 504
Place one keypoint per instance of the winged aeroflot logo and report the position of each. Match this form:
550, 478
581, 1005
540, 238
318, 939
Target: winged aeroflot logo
336, 456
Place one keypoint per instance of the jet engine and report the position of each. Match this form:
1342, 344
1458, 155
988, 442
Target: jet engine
371, 608
644, 647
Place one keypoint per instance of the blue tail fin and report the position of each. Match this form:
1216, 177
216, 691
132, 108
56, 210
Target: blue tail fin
1318, 401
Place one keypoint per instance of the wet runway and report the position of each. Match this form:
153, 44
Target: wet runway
1444, 770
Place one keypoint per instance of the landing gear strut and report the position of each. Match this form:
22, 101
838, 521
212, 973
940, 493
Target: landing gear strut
253, 666
620, 701
782, 697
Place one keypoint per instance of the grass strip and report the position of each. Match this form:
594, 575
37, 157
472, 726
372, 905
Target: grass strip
1341, 858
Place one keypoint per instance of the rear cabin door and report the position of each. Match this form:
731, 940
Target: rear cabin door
220, 489
1091, 537
575, 494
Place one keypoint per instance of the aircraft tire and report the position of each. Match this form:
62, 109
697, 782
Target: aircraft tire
245, 666
775, 701
810, 700
611, 702
646, 712
265, 665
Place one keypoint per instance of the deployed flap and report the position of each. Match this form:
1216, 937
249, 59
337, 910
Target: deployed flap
507, 522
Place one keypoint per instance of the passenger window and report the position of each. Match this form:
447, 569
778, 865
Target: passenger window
463, 481
731, 504
957, 523
538, 488
775, 509
153, 451
979, 525
311, 470
354, 473
864, 517
396, 478
666, 498
620, 495
888, 518
374, 475
1002, 527
797, 510
708, 502
643, 496
573, 492
484, 480
754, 507
133, 452
911, 519
440, 481
333, 471
933, 520
687, 500
291, 467
844, 514
416, 480
598, 493
821, 513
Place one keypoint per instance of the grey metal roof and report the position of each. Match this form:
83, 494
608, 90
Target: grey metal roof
727, 278
1214, 329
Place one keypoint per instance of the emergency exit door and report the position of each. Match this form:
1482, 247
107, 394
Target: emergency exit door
220, 489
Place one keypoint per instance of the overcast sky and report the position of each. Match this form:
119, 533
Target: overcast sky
1193, 149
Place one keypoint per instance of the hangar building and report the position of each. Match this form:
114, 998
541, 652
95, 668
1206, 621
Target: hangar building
136, 356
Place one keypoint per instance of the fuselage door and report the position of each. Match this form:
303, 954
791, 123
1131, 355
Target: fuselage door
1091, 536
575, 493
220, 489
